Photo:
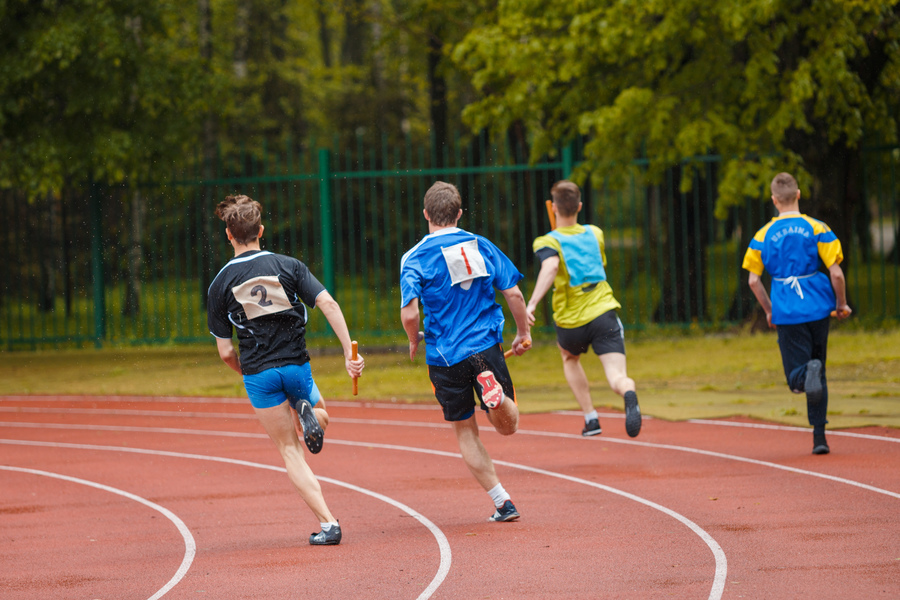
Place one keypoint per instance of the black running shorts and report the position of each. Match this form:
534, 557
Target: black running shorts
604, 334
455, 386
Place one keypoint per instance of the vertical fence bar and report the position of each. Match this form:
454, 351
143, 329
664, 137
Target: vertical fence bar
97, 269
325, 187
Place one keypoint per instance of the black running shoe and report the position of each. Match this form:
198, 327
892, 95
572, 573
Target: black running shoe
813, 387
820, 446
332, 537
312, 431
632, 414
592, 427
504, 513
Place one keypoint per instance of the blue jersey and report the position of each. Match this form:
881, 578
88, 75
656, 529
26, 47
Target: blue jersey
789, 247
454, 274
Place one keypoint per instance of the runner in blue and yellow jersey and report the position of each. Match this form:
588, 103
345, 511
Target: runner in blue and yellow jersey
263, 296
573, 262
455, 274
791, 247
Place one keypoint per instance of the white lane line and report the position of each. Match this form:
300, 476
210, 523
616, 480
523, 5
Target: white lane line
342, 404
443, 544
752, 461
157, 399
721, 561
866, 436
125, 412
190, 547
208, 400
570, 436
718, 586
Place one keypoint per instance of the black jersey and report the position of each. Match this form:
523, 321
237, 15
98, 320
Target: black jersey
262, 295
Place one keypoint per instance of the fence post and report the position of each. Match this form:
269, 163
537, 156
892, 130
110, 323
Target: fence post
326, 225
568, 161
97, 268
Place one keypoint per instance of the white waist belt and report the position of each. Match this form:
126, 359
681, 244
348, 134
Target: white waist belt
794, 282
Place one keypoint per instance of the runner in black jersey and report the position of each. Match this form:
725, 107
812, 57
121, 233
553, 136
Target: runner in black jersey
264, 297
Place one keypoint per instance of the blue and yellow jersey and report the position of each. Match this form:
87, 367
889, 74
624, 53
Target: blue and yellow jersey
789, 247
581, 292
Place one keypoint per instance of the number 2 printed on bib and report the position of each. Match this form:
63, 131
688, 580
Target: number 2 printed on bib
262, 296
465, 263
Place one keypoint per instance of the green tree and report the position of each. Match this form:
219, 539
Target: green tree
769, 85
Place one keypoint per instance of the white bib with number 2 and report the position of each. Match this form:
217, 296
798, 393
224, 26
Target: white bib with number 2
465, 263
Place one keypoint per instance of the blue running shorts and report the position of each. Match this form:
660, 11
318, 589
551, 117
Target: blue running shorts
273, 386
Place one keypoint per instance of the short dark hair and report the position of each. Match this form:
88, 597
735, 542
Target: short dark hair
566, 196
784, 188
242, 216
442, 203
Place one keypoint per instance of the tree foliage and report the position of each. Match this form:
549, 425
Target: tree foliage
92, 89
770, 85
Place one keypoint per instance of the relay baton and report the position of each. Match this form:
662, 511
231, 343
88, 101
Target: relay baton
508, 353
355, 348
836, 313
550, 214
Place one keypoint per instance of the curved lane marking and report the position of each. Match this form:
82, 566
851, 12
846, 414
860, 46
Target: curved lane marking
190, 546
571, 436
721, 561
341, 404
443, 544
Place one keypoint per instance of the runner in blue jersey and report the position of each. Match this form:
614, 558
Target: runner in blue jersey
454, 274
263, 296
791, 247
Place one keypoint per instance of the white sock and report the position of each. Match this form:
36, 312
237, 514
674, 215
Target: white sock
498, 495
326, 527
589, 416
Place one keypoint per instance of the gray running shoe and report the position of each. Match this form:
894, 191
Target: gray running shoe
332, 537
632, 414
592, 427
813, 385
504, 513
312, 431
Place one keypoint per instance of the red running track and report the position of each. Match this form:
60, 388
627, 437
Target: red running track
144, 498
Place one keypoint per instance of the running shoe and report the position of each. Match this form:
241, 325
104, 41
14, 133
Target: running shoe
312, 431
820, 446
491, 392
813, 385
592, 427
505, 513
332, 537
632, 415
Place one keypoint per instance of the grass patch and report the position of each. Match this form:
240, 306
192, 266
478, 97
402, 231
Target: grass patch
695, 376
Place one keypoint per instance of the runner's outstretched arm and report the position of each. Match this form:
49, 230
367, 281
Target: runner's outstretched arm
549, 268
409, 316
759, 290
335, 317
516, 302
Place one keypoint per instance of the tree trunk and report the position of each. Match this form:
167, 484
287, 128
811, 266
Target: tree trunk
437, 90
50, 255
684, 269
132, 305
324, 33
209, 153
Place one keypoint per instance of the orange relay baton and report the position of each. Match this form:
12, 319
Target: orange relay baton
550, 214
355, 349
508, 353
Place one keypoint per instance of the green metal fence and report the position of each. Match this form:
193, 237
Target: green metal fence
131, 265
